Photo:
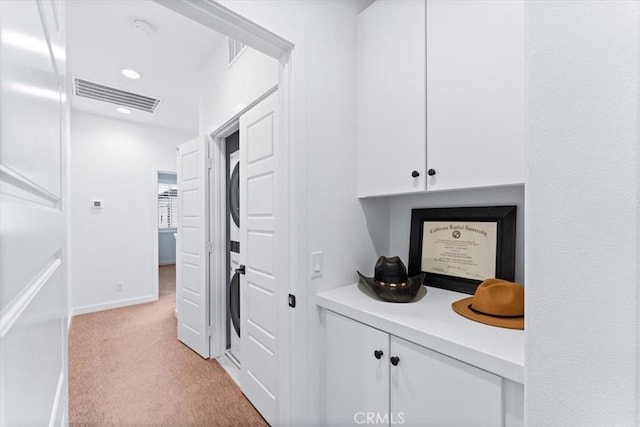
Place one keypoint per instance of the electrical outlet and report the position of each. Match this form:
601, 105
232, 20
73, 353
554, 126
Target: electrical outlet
119, 286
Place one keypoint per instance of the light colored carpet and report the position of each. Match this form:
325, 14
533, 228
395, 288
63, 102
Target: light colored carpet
127, 368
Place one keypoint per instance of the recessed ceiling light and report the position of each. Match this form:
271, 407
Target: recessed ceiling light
123, 110
132, 74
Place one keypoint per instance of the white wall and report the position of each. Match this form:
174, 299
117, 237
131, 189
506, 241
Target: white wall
582, 214
400, 215
228, 89
329, 217
116, 161
166, 247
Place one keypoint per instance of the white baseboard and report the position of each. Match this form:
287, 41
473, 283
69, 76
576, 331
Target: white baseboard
115, 304
59, 403
231, 367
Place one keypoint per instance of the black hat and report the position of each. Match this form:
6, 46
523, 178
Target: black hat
390, 270
390, 281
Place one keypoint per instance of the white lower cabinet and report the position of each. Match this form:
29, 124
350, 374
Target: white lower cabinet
356, 382
430, 389
372, 377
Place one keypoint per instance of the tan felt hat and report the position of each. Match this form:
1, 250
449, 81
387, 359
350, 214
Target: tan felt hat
496, 302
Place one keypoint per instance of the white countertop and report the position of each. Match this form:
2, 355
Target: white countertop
430, 322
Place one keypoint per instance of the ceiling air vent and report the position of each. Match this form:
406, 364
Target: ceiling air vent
92, 90
235, 48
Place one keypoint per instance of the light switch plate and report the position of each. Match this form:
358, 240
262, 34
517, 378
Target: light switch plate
316, 264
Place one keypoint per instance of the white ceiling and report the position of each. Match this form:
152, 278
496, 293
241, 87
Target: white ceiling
101, 41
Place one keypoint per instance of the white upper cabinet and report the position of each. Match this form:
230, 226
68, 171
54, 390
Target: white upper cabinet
440, 96
475, 93
391, 98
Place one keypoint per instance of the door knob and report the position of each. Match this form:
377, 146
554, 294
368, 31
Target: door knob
431, 172
378, 354
415, 174
241, 270
394, 360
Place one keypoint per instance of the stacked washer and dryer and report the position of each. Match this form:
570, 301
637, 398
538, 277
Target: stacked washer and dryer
233, 232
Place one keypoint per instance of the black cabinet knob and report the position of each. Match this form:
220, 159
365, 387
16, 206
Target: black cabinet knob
394, 360
378, 354
431, 172
415, 174
241, 270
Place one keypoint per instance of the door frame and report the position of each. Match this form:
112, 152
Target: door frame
218, 257
155, 292
223, 20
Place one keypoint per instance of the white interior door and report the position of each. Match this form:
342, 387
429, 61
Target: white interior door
34, 208
262, 293
191, 254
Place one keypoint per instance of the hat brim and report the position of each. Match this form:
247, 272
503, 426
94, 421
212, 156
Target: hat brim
462, 308
395, 294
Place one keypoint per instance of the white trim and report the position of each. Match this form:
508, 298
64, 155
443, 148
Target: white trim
291, 321
56, 399
217, 17
230, 366
115, 304
18, 305
155, 286
207, 232
47, 36
232, 124
218, 256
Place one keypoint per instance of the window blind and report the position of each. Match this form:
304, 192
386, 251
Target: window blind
167, 205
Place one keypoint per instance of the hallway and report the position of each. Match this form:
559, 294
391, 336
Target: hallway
126, 367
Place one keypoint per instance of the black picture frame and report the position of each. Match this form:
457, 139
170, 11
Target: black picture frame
503, 216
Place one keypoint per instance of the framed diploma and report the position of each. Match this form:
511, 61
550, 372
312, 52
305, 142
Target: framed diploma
458, 248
